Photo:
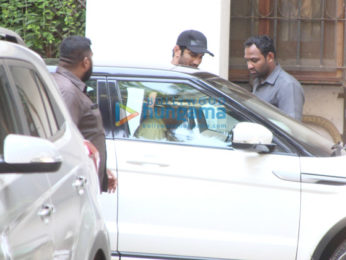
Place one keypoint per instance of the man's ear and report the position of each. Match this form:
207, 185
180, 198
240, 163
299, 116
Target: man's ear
177, 51
270, 57
86, 62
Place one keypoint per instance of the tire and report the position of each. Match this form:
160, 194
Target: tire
340, 252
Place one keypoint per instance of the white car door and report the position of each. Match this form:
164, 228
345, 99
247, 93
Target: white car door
26, 227
26, 208
184, 192
206, 202
98, 92
65, 196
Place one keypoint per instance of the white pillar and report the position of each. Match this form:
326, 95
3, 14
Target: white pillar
141, 32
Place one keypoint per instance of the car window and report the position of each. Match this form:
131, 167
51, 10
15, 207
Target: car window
173, 112
308, 138
7, 114
97, 91
91, 89
42, 120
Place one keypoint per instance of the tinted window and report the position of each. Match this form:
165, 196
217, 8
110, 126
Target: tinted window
8, 124
42, 120
97, 91
59, 118
173, 112
309, 139
120, 130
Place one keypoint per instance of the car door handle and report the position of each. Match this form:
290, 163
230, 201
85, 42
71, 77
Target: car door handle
79, 184
143, 163
45, 212
323, 179
287, 175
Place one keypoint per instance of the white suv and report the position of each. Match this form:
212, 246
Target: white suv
208, 171
48, 183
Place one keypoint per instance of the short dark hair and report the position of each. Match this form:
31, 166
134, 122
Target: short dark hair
182, 48
74, 48
263, 42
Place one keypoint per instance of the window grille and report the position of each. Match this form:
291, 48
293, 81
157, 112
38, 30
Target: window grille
309, 36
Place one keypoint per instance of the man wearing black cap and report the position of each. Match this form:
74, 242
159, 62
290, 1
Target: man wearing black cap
190, 48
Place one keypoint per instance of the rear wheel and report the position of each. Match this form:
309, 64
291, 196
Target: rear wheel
340, 252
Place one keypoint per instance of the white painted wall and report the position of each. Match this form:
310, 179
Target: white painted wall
144, 32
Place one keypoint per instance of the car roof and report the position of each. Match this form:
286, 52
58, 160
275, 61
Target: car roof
143, 71
10, 36
19, 51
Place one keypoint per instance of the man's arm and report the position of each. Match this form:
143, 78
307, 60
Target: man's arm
291, 99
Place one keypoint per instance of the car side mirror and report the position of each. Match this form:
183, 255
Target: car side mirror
252, 137
27, 154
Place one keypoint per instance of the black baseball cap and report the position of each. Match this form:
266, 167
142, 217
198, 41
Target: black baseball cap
195, 41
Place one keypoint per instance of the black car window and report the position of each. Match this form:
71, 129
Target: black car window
97, 91
91, 90
120, 130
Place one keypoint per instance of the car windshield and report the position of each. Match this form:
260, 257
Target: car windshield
308, 138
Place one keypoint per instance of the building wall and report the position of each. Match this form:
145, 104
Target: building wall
325, 101
145, 32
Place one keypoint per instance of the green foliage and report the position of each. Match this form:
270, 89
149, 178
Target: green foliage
44, 23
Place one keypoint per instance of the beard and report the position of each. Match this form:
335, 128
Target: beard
261, 74
88, 73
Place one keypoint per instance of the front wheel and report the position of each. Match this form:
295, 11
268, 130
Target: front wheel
340, 252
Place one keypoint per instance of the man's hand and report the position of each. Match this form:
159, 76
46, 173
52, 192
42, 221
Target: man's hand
112, 181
